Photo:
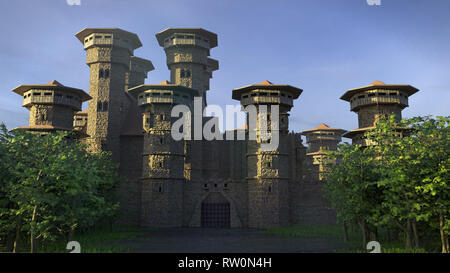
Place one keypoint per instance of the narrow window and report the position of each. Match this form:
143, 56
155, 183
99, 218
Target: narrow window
105, 106
106, 73
160, 164
151, 121
182, 75
100, 73
99, 106
188, 73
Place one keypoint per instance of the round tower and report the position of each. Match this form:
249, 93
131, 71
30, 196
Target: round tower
139, 68
52, 106
108, 52
267, 169
375, 101
163, 157
187, 51
321, 139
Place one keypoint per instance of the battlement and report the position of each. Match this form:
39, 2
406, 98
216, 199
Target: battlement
51, 93
187, 36
267, 93
164, 92
107, 37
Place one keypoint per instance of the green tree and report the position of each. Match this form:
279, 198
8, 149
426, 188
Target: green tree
351, 186
54, 185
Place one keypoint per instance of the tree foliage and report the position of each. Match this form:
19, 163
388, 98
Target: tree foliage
403, 180
50, 186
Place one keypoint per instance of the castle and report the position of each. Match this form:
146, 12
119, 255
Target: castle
199, 182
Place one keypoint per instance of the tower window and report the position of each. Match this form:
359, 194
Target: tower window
100, 73
161, 164
160, 189
269, 164
105, 106
182, 74
99, 106
106, 73
188, 73
270, 189
161, 141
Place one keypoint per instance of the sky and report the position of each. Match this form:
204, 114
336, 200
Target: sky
324, 47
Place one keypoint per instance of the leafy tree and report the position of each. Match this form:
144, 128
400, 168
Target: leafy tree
54, 185
400, 180
350, 185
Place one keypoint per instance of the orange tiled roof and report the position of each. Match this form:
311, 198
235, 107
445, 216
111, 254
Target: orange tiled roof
265, 82
323, 126
377, 83
55, 82
82, 113
166, 82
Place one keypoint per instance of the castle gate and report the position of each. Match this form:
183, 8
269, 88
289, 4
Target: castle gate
215, 211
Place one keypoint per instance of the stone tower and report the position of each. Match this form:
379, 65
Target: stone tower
108, 52
162, 156
375, 101
321, 139
139, 68
52, 106
187, 51
267, 170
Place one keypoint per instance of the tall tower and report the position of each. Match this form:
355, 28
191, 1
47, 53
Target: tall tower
52, 106
267, 171
162, 156
108, 52
373, 102
139, 68
187, 51
321, 139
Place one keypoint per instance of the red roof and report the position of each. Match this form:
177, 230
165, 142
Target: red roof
322, 127
55, 82
265, 82
377, 83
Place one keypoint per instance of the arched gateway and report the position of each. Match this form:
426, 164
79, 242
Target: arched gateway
215, 211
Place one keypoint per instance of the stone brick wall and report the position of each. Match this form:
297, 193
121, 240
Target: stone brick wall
368, 115
56, 115
129, 191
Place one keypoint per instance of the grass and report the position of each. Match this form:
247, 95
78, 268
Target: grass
102, 241
335, 234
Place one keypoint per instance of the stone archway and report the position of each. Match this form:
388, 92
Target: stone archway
215, 211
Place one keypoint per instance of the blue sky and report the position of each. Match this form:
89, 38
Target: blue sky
322, 46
